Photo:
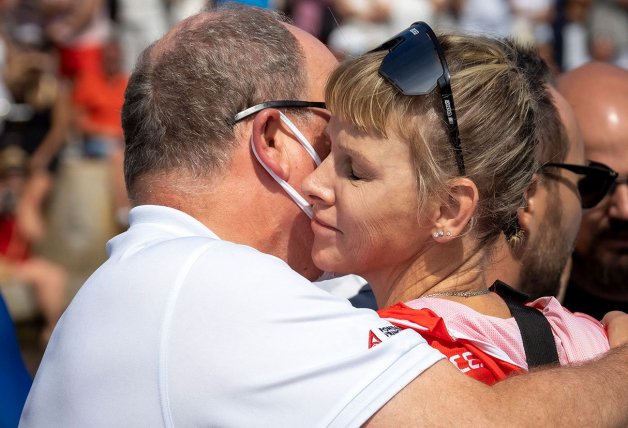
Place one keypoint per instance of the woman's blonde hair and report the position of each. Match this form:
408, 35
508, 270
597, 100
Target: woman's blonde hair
498, 108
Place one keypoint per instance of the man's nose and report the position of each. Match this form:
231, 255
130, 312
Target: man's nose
619, 200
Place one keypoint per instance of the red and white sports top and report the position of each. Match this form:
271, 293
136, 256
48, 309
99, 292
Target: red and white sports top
489, 348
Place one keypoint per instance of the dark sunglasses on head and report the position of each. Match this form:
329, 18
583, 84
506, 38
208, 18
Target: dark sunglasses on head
275, 104
597, 182
415, 64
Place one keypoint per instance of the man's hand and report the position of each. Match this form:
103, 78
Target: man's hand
616, 324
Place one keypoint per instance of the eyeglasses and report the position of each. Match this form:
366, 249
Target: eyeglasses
275, 104
415, 64
598, 181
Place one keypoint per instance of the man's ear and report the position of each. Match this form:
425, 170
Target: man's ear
528, 215
454, 214
269, 142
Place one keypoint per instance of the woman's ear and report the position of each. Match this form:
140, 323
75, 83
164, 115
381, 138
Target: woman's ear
528, 215
269, 142
456, 212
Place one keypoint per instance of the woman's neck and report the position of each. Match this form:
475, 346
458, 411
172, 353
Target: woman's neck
452, 268
441, 269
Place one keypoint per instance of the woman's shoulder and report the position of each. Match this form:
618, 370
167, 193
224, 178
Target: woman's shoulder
580, 336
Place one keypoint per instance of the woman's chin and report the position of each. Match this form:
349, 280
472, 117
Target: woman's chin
329, 262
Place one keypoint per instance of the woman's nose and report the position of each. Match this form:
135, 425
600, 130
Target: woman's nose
317, 185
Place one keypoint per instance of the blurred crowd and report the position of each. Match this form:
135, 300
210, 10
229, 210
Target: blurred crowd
64, 65
568, 32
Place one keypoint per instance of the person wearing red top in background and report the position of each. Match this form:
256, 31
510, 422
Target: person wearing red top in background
78, 29
17, 263
98, 99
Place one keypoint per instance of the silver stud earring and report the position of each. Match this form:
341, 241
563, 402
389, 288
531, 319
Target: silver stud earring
435, 234
448, 233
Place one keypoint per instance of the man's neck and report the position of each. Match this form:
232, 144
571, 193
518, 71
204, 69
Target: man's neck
503, 265
239, 212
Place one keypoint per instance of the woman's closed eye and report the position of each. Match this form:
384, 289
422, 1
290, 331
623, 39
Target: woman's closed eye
353, 176
352, 165
353, 172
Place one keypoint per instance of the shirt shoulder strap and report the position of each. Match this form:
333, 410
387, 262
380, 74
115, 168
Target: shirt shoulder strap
536, 332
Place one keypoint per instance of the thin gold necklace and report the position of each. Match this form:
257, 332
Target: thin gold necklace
459, 293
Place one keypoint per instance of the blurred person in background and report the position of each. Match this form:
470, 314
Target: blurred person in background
16, 381
598, 93
532, 23
181, 9
489, 17
574, 34
313, 16
42, 128
608, 32
594, 30
97, 99
363, 24
18, 264
140, 22
532, 20
79, 30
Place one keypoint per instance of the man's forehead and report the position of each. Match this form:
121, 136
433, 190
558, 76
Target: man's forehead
613, 154
607, 139
602, 113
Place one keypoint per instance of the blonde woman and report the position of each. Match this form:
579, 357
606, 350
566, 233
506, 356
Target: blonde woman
417, 191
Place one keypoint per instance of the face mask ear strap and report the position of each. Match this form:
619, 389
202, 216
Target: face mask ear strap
304, 142
294, 195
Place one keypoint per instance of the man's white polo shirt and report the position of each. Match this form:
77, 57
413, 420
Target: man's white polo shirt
180, 328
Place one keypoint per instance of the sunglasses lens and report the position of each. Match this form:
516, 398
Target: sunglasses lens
593, 187
413, 65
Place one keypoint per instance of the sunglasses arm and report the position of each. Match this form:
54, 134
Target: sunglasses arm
452, 122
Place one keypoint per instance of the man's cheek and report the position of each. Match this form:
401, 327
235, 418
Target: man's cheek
586, 236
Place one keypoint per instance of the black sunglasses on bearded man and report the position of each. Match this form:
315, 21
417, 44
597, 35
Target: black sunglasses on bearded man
598, 180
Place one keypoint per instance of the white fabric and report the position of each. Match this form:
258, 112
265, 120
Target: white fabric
346, 286
180, 328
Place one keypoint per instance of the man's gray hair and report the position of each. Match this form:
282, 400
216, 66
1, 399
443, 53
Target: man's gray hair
187, 87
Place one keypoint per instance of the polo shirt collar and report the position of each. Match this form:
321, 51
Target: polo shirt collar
170, 218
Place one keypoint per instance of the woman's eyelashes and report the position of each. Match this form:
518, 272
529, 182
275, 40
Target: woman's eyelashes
354, 173
354, 177
351, 167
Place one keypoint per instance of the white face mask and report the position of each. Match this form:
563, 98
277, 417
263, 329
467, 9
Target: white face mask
296, 197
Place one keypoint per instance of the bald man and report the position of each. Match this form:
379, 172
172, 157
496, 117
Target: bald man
598, 93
